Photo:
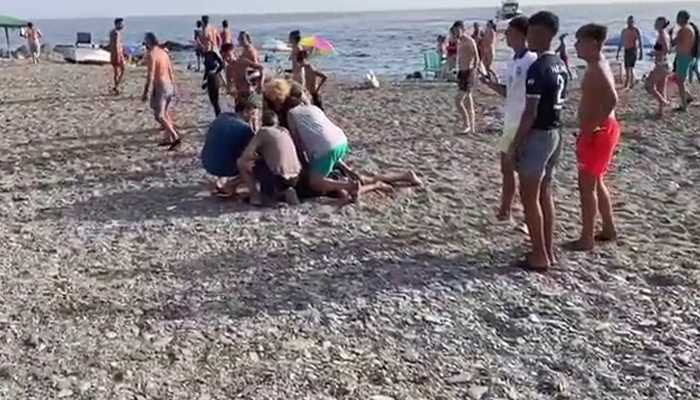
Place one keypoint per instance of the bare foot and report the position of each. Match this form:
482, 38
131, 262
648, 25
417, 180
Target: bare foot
385, 187
522, 228
467, 129
579, 245
503, 215
354, 191
413, 179
606, 237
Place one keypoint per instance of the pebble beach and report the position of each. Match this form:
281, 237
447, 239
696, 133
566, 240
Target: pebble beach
121, 278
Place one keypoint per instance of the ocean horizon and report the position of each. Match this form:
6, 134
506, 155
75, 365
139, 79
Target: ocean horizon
388, 42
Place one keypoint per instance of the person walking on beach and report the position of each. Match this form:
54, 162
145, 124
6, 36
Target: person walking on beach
685, 56
537, 144
598, 137
199, 45
657, 81
631, 42
514, 93
33, 36
160, 78
226, 35
210, 35
248, 73
487, 47
467, 66
116, 54
213, 65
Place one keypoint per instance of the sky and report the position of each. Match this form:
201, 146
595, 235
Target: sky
48, 9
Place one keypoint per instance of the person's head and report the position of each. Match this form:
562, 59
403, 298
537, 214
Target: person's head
441, 39
119, 23
516, 33
589, 41
276, 91
630, 21
490, 24
476, 26
269, 118
224, 24
205, 20
150, 40
244, 38
458, 28
683, 17
227, 51
295, 37
245, 109
542, 27
303, 57
199, 24
30, 25
661, 23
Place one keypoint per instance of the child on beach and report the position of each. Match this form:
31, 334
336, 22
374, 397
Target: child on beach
278, 167
598, 137
313, 78
213, 65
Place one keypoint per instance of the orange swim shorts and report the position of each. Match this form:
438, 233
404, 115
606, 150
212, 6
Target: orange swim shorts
594, 151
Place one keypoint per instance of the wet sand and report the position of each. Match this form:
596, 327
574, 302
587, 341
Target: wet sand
121, 277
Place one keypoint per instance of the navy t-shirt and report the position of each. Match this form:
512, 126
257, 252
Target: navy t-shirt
225, 141
547, 79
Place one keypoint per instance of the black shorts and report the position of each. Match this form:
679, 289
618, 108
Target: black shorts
271, 183
316, 100
465, 80
631, 57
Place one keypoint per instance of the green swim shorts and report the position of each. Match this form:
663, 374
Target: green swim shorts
324, 165
684, 64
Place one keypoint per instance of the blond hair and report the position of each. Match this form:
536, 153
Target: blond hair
277, 91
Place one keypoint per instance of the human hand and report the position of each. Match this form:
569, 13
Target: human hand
248, 166
510, 154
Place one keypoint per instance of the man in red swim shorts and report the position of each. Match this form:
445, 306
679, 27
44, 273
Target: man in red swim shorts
599, 135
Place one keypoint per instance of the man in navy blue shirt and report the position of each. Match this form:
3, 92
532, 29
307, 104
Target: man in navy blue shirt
536, 147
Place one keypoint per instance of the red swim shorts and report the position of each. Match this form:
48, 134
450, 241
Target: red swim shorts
594, 151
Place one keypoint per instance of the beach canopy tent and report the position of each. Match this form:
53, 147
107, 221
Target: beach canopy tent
7, 23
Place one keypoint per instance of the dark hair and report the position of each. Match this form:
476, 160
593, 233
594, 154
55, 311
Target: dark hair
595, 32
302, 55
458, 24
441, 38
684, 15
519, 24
545, 19
243, 104
224, 23
151, 39
118, 21
269, 118
30, 25
295, 36
205, 19
226, 47
199, 24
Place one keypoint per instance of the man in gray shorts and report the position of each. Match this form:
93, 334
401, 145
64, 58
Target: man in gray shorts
536, 147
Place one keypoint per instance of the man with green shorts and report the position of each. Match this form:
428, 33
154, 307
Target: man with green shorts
686, 49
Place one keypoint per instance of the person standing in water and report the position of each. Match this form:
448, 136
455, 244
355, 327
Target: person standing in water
686, 48
598, 137
631, 41
487, 47
116, 54
467, 66
33, 36
160, 84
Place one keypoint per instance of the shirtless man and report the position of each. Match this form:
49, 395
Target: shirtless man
294, 40
116, 51
160, 78
467, 66
247, 72
685, 49
487, 47
631, 41
229, 57
198, 44
598, 137
33, 34
225, 34
210, 37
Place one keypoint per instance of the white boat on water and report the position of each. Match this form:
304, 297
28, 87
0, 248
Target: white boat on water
509, 9
84, 51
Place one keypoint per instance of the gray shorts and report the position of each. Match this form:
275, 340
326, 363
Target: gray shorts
34, 48
538, 154
161, 97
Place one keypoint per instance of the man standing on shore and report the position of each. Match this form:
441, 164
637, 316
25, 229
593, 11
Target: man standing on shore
686, 50
536, 147
33, 36
116, 51
226, 37
210, 35
631, 41
160, 75
467, 67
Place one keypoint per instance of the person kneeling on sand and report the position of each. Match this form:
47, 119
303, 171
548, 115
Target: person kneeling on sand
225, 141
160, 76
599, 135
278, 167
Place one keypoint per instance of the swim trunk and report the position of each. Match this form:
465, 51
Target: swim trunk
270, 182
324, 165
34, 48
538, 154
594, 151
161, 97
684, 64
631, 57
465, 80
507, 136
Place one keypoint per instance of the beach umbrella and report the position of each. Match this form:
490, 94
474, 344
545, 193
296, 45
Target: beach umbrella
317, 45
7, 23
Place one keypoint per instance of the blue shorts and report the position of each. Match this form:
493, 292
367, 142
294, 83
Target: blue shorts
538, 154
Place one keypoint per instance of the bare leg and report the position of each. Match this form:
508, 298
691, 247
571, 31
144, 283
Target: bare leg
589, 208
325, 185
407, 177
530, 197
683, 94
548, 217
507, 188
470, 111
164, 119
609, 233
248, 180
460, 98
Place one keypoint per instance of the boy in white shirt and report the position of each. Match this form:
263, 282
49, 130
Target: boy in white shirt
514, 92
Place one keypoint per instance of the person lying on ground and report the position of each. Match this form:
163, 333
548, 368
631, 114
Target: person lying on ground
270, 159
225, 141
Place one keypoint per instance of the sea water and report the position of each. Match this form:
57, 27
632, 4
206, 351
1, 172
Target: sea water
389, 43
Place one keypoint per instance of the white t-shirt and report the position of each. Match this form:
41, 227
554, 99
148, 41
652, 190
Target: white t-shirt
515, 87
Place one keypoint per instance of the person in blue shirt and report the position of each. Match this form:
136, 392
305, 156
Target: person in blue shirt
224, 143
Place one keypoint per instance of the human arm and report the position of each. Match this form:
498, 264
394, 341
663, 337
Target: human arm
534, 86
322, 78
249, 155
499, 88
640, 43
619, 45
219, 64
149, 77
345, 168
606, 99
477, 60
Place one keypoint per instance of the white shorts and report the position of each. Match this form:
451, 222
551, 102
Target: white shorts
507, 136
